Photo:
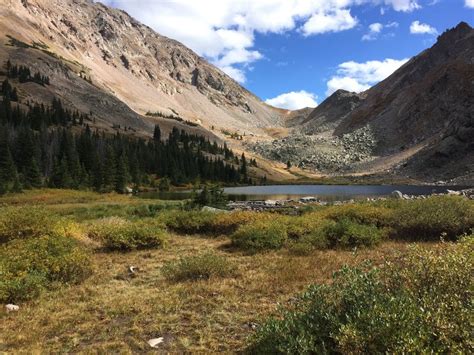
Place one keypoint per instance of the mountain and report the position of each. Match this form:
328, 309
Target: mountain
419, 122
130, 69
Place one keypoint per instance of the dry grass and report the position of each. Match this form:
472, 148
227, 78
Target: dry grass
112, 311
115, 312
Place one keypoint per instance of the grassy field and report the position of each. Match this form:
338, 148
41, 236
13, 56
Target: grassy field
205, 283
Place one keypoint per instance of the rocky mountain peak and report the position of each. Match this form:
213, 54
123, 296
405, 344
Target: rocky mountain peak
147, 71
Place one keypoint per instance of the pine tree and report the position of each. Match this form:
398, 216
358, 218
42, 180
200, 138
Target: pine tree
109, 168
243, 166
121, 175
8, 172
157, 134
32, 175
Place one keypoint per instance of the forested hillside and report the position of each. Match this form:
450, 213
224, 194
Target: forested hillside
53, 146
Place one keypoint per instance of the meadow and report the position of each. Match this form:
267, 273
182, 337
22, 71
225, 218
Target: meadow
385, 276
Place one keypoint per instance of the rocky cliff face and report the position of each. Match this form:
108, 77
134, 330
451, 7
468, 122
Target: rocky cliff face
131, 62
417, 122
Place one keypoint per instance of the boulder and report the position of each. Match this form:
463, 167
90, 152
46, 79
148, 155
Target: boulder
397, 194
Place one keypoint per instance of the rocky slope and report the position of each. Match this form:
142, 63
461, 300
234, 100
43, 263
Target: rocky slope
417, 122
127, 62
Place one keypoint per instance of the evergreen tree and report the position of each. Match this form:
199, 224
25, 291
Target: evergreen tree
8, 173
243, 166
121, 175
32, 175
157, 134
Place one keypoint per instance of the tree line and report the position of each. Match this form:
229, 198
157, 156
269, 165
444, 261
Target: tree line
23, 73
52, 146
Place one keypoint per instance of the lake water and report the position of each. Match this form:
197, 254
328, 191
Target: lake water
323, 192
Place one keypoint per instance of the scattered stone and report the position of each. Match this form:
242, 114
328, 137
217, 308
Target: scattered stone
155, 342
133, 270
12, 308
212, 209
397, 194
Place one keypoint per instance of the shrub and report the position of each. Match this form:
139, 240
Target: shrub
362, 213
422, 305
260, 236
203, 266
433, 218
188, 222
119, 234
228, 223
30, 222
28, 266
346, 233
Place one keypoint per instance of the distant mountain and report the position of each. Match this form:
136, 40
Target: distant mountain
424, 112
132, 69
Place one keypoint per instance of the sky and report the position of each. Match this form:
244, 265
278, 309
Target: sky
295, 53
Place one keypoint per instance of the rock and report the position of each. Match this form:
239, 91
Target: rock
12, 308
212, 209
397, 194
133, 270
453, 193
155, 342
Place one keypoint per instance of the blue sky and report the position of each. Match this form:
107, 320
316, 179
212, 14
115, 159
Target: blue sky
293, 53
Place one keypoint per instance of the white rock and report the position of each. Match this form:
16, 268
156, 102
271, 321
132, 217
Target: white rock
155, 342
12, 308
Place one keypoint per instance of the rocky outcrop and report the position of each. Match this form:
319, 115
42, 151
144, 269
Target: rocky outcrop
332, 111
420, 120
146, 71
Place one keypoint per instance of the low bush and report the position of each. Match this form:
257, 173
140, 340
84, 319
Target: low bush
438, 216
421, 305
346, 233
228, 223
198, 267
260, 236
28, 266
30, 222
188, 222
361, 213
119, 234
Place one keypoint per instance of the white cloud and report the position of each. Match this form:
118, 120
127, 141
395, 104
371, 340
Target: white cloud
403, 5
374, 30
357, 77
223, 31
422, 28
294, 100
470, 3
336, 21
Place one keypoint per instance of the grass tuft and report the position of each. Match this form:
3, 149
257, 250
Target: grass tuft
198, 267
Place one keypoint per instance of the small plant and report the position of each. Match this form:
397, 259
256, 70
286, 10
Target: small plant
30, 222
362, 213
430, 219
29, 266
188, 222
346, 234
198, 267
119, 234
260, 236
